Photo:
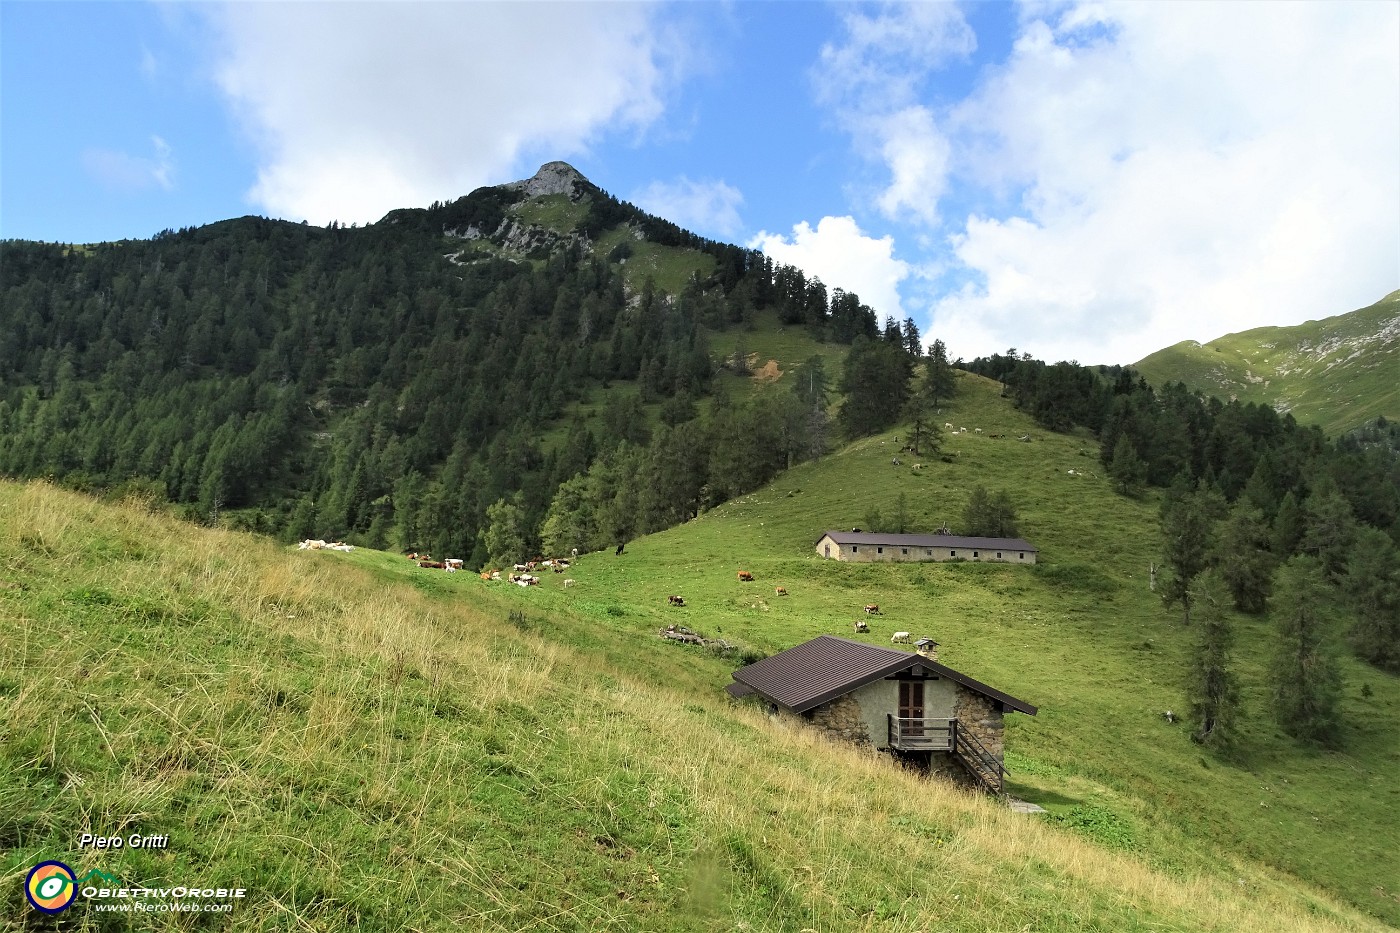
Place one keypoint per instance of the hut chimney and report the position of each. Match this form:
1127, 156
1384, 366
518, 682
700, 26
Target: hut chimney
928, 648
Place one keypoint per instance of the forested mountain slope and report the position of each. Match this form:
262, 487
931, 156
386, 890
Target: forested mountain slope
386, 384
1338, 373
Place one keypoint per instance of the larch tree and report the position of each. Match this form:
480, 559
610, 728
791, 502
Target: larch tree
1212, 689
1305, 675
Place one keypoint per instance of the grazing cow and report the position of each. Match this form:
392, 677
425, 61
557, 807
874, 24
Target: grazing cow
899, 638
430, 564
1169, 716
947, 426
873, 609
745, 576
780, 591
569, 582
575, 552
862, 625
676, 600
519, 568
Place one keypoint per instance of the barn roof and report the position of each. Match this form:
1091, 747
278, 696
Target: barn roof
949, 541
818, 671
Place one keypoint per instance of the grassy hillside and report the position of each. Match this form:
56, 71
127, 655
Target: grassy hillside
1337, 373
362, 744
1080, 635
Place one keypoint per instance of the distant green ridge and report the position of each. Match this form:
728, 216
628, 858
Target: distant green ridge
1337, 373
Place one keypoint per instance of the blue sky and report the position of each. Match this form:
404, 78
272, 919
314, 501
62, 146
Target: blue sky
1080, 180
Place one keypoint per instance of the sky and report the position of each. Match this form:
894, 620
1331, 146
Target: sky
1080, 180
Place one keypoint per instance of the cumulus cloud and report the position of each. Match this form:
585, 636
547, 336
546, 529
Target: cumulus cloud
1177, 172
356, 109
122, 171
707, 207
872, 81
842, 256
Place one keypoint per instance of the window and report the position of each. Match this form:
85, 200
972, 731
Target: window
974, 555
1021, 555
928, 552
952, 553
879, 550
854, 549
998, 555
904, 550
826, 551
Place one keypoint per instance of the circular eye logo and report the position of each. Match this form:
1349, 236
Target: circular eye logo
50, 887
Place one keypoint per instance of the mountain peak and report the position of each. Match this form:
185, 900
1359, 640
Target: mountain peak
553, 178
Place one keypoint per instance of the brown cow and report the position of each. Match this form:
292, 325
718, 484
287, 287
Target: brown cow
675, 600
872, 609
780, 591
745, 576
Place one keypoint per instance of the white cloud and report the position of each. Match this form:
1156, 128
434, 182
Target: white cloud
707, 207
1184, 170
121, 171
842, 256
872, 82
356, 109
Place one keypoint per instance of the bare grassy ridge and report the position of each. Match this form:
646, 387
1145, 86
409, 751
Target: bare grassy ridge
363, 750
1339, 373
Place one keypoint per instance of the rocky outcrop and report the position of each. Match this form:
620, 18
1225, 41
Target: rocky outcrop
553, 178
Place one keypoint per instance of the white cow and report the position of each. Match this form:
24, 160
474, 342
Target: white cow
899, 638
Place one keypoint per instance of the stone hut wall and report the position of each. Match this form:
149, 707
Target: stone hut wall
981, 716
841, 719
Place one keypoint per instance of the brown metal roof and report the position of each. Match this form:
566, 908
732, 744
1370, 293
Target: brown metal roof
949, 541
818, 671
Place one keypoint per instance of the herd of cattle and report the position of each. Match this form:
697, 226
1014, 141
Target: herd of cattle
522, 575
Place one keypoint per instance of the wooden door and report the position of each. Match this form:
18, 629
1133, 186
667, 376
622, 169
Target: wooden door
911, 706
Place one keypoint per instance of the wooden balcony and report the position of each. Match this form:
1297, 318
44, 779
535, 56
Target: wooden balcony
922, 735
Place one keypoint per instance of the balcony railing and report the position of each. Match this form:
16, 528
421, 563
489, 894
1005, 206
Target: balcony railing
922, 735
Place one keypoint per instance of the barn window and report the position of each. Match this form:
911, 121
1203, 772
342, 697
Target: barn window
998, 555
879, 550
854, 549
904, 550
928, 552
1021, 555
952, 553
974, 555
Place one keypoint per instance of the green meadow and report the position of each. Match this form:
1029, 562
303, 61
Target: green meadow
366, 744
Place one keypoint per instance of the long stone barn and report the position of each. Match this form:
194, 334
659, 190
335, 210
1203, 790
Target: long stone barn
870, 546
894, 701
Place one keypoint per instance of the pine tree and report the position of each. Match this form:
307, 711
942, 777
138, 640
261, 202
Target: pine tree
1288, 527
1242, 553
1188, 533
1306, 676
1372, 588
1129, 471
1330, 528
1212, 690
939, 383
990, 515
505, 534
